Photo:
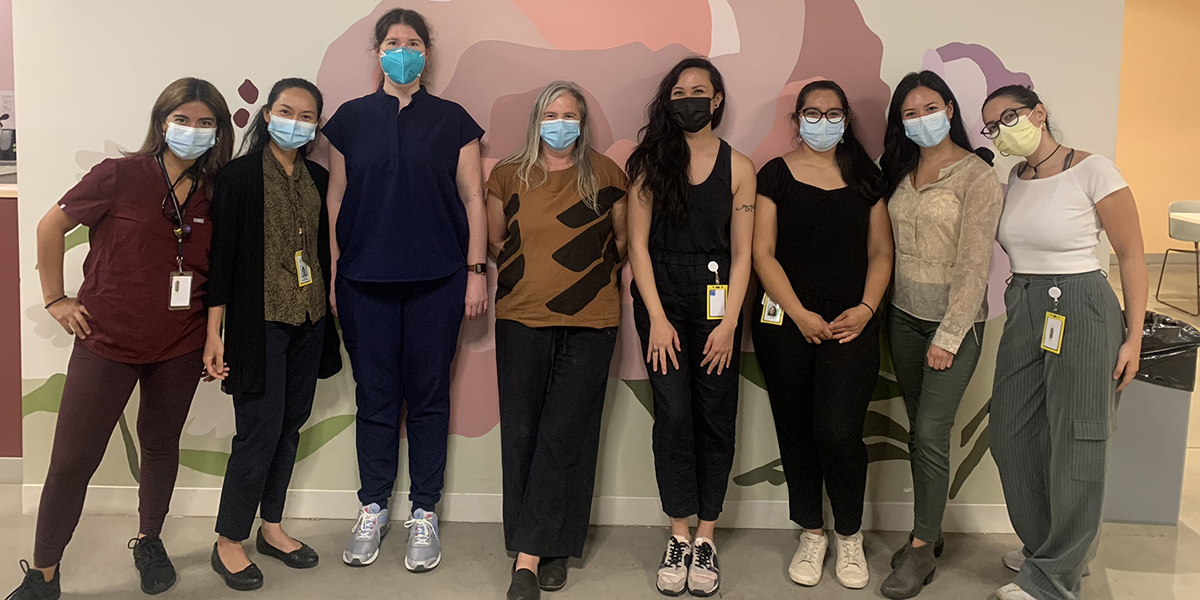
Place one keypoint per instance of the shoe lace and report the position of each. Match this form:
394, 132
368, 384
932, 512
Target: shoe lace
675, 552
364, 528
810, 552
851, 551
422, 530
148, 553
704, 556
29, 574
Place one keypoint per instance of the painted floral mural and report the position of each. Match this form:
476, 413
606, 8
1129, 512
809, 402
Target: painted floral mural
494, 57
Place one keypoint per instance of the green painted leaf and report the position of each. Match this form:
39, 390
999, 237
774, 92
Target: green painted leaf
77, 237
641, 391
968, 465
879, 424
771, 473
131, 449
46, 398
885, 389
881, 451
313, 438
204, 461
752, 371
968, 431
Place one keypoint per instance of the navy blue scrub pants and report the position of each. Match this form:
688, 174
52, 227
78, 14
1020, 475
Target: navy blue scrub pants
401, 338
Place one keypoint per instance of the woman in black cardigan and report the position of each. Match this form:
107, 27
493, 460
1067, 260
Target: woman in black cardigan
269, 280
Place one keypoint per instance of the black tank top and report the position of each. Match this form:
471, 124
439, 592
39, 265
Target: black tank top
709, 210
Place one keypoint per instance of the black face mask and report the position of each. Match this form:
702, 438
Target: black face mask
691, 114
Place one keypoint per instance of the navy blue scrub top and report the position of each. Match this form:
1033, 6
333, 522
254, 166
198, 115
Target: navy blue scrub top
401, 218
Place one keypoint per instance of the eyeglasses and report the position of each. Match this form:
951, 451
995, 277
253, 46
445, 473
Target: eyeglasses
813, 115
1007, 118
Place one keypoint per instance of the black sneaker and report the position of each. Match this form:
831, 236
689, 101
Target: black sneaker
150, 558
35, 586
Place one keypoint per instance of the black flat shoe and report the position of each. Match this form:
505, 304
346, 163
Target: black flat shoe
552, 574
245, 580
303, 558
152, 562
524, 586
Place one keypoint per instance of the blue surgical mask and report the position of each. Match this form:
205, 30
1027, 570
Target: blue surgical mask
559, 134
190, 143
822, 135
928, 131
402, 65
289, 134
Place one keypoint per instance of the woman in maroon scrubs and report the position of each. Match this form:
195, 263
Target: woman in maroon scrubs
138, 319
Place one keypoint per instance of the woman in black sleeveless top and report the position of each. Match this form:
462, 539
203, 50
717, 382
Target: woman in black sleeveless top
690, 248
823, 252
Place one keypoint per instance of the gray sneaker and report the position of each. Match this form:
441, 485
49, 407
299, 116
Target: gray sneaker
424, 547
369, 530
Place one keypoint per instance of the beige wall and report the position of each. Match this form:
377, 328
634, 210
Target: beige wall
1159, 116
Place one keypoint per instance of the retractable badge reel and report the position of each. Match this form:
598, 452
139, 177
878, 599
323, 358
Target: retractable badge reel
716, 294
1052, 331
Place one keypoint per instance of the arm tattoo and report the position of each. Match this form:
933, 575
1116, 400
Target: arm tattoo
746, 207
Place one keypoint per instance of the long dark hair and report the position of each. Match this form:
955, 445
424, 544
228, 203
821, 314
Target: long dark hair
900, 154
661, 160
856, 166
257, 137
1021, 95
184, 91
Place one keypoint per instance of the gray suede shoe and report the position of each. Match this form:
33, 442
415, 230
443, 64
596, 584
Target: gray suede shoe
914, 572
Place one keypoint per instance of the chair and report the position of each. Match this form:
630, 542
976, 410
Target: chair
1184, 222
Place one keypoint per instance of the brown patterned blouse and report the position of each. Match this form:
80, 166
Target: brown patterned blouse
291, 211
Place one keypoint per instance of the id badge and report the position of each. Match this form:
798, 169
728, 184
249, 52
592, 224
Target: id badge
181, 290
1052, 332
716, 301
303, 271
772, 312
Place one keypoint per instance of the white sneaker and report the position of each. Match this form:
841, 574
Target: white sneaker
1014, 560
1011, 591
851, 562
673, 571
704, 576
809, 560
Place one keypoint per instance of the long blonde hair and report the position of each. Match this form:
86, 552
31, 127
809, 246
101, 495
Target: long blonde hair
529, 155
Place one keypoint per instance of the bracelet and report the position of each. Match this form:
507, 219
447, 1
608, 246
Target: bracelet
56, 301
868, 308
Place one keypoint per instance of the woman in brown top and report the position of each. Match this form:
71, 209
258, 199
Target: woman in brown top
945, 204
138, 320
270, 260
556, 227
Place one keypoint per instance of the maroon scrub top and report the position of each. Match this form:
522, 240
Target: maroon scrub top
126, 275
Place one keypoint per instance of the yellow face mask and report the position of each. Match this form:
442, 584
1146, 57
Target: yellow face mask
1021, 139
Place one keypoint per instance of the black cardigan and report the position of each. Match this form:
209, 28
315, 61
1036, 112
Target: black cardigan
235, 276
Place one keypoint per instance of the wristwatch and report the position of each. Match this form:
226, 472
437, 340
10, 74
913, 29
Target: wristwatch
478, 269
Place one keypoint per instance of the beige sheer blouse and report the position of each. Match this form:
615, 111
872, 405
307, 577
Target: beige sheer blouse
944, 236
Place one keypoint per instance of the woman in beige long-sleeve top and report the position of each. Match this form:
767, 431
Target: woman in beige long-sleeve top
944, 203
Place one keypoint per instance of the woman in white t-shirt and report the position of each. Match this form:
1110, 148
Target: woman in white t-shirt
1067, 350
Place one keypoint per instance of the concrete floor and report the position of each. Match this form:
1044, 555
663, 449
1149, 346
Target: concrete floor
1134, 562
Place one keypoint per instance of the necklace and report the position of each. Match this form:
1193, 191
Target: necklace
1035, 167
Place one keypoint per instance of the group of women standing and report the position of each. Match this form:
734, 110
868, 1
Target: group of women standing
393, 240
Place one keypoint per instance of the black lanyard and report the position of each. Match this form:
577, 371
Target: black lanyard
181, 229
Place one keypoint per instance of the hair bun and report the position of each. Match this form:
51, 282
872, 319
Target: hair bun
986, 154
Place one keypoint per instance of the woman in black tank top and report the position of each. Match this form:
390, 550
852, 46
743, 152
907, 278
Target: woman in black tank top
690, 248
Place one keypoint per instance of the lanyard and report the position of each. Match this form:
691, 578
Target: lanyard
181, 229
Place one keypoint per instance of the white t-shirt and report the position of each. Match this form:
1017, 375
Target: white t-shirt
1050, 226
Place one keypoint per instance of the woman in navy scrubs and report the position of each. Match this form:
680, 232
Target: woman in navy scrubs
407, 210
